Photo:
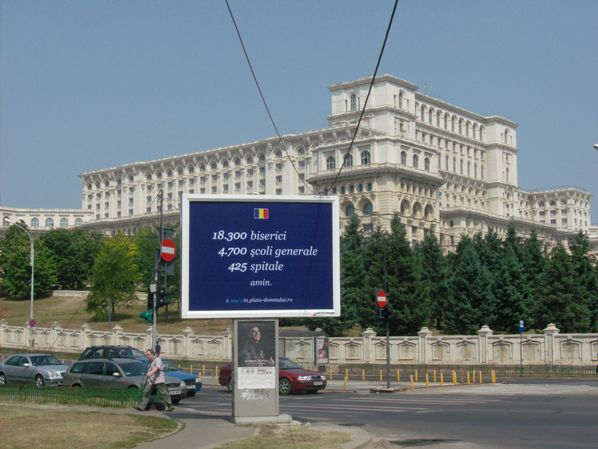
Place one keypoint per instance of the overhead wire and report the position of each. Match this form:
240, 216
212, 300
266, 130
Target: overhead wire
348, 152
282, 142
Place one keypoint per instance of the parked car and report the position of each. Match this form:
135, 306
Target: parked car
291, 378
112, 352
119, 373
192, 382
36, 369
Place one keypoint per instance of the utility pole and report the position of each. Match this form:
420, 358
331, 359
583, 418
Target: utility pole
157, 279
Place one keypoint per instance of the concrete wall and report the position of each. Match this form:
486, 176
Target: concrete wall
485, 348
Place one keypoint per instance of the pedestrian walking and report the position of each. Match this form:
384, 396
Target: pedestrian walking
155, 382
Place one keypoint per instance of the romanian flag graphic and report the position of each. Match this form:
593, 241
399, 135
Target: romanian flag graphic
260, 213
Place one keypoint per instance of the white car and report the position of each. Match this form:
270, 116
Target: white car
37, 369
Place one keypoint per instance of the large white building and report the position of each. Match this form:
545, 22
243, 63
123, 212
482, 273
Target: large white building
442, 168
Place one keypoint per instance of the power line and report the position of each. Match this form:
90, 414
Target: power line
394, 8
284, 147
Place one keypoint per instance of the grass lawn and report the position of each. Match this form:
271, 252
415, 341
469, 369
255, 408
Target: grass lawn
70, 313
290, 438
45, 427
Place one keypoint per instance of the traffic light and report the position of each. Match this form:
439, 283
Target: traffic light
385, 315
163, 299
147, 315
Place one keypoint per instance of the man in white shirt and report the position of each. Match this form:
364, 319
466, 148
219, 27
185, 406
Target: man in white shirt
155, 383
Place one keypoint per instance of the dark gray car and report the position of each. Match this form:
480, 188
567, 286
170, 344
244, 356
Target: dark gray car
117, 373
36, 369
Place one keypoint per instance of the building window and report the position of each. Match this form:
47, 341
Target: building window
279, 179
353, 102
301, 189
368, 208
349, 210
348, 161
369, 186
64, 222
403, 158
427, 164
49, 223
330, 163
279, 191
415, 161
365, 158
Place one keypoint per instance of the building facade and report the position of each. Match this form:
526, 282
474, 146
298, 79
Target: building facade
443, 169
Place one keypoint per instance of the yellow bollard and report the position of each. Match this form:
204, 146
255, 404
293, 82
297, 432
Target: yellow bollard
441, 378
473, 375
454, 376
398, 375
416, 377
493, 377
481, 381
468, 379
346, 373
380, 375
203, 370
216, 372
427, 381
411, 380
363, 374
191, 369
434, 376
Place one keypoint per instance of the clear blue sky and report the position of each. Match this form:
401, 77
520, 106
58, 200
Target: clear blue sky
86, 85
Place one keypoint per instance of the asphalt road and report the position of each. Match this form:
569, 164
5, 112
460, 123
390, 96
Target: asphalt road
521, 414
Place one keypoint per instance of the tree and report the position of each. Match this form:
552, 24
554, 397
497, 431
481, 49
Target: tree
586, 276
74, 252
15, 268
435, 274
512, 292
561, 302
473, 301
114, 277
534, 263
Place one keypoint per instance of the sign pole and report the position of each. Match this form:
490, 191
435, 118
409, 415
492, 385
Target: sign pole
157, 273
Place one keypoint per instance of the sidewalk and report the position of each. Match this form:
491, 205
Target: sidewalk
203, 430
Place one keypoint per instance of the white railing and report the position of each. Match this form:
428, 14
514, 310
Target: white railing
485, 348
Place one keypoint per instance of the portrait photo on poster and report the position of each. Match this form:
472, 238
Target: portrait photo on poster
322, 351
257, 345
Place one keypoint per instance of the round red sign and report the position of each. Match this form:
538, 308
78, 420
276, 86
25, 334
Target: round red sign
381, 299
168, 250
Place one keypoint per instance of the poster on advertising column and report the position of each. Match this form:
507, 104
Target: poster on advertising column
247, 256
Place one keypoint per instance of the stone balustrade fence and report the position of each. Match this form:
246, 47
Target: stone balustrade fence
485, 348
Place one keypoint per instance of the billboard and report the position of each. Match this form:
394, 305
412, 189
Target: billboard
247, 256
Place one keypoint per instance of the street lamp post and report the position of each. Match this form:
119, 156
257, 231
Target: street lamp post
21, 226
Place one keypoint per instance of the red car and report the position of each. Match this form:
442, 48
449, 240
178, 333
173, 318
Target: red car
291, 378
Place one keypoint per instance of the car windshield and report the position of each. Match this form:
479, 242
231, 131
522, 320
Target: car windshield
137, 354
41, 360
287, 364
133, 368
169, 365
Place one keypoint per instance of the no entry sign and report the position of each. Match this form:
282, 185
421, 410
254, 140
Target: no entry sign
381, 300
168, 250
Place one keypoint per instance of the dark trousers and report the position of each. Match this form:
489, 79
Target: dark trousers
150, 389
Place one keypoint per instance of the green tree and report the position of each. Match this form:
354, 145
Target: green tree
561, 303
586, 277
435, 274
393, 266
74, 253
15, 268
114, 277
473, 301
512, 292
148, 245
534, 263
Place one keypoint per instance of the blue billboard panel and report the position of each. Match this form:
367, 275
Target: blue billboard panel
260, 256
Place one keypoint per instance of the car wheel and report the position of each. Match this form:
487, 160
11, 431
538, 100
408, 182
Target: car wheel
2, 379
284, 386
39, 381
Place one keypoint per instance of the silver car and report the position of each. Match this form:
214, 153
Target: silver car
36, 369
117, 373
